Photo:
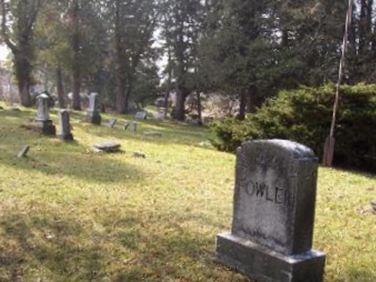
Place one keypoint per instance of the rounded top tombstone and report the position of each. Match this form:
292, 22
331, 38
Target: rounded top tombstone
275, 195
43, 107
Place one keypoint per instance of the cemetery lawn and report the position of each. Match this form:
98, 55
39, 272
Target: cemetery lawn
69, 214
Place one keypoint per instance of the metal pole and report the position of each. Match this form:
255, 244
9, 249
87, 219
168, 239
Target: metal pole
330, 141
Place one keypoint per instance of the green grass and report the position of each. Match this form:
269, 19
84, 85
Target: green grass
68, 214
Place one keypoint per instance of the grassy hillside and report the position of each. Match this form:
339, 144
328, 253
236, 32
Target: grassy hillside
68, 214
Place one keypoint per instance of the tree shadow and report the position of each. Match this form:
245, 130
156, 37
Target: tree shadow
72, 249
51, 242
57, 158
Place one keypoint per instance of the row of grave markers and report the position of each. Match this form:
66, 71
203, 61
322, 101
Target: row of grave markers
46, 126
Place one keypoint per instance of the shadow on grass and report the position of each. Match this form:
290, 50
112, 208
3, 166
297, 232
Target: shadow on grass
54, 243
90, 167
53, 157
72, 249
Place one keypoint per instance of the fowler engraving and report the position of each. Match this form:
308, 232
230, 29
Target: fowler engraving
273, 194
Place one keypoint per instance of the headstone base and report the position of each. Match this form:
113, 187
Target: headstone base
263, 264
94, 118
45, 127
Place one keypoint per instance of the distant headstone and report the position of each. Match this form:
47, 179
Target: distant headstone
43, 121
108, 147
141, 115
65, 126
274, 207
161, 113
133, 126
112, 123
93, 113
23, 152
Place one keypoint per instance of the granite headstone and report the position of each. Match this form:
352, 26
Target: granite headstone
43, 122
133, 126
141, 115
274, 208
66, 128
93, 114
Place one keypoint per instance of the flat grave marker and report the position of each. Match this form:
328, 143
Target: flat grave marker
24, 151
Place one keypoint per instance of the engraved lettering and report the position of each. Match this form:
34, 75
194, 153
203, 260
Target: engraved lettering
276, 195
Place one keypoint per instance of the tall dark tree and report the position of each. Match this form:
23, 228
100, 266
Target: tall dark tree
181, 25
132, 27
18, 34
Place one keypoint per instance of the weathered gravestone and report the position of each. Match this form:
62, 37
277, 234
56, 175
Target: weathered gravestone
161, 113
65, 125
141, 115
43, 122
274, 207
93, 114
133, 126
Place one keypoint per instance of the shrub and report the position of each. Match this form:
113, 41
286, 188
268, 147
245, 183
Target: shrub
304, 115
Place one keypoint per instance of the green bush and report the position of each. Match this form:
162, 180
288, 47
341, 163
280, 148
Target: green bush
304, 115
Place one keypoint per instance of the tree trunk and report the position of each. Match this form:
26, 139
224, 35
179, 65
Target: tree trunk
365, 25
166, 102
243, 105
199, 108
121, 95
24, 91
60, 88
180, 105
76, 105
253, 101
23, 75
169, 79
121, 103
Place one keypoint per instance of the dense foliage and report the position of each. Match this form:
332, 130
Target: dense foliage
304, 115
